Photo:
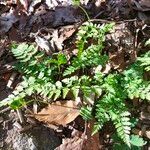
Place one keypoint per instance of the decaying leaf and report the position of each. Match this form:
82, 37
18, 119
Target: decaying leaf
67, 31
51, 40
75, 143
98, 2
82, 142
58, 113
54, 3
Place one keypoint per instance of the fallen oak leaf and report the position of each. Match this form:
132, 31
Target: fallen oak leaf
58, 113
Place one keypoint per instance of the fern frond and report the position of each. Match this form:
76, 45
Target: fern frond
86, 112
145, 61
122, 124
91, 56
24, 52
134, 83
145, 91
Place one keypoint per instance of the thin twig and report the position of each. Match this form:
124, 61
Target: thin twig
20, 116
35, 107
109, 21
84, 12
11, 80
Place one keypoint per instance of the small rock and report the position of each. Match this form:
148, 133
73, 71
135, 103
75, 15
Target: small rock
39, 138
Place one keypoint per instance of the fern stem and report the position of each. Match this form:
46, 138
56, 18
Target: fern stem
85, 12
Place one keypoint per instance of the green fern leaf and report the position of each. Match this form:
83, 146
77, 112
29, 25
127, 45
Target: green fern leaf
122, 126
137, 141
86, 113
75, 91
65, 92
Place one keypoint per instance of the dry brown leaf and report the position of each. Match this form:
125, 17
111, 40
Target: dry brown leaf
67, 31
75, 143
82, 142
58, 113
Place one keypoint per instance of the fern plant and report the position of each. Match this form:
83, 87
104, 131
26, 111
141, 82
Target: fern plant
103, 95
108, 109
89, 56
39, 73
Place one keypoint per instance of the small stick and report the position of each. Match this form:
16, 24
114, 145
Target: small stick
35, 107
109, 21
20, 116
11, 80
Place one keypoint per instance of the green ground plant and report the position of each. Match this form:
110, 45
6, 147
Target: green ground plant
104, 95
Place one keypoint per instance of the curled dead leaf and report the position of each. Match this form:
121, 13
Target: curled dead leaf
58, 113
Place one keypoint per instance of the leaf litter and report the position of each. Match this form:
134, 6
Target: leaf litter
54, 14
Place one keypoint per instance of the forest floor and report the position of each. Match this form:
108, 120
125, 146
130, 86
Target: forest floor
31, 22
